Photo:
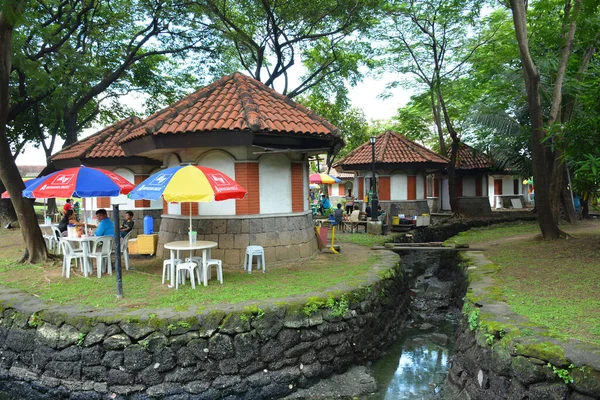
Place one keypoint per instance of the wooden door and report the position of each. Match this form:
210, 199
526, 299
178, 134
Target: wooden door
498, 187
412, 188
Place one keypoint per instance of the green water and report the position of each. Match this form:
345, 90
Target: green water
414, 367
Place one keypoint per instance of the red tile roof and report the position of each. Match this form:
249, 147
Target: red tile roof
469, 158
391, 148
102, 144
340, 174
234, 103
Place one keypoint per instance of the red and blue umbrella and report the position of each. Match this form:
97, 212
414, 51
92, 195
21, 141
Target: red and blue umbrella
79, 182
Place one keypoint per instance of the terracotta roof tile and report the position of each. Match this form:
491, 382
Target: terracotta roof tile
391, 148
469, 158
101, 144
235, 102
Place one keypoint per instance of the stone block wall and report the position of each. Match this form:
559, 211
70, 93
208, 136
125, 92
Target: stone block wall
409, 207
475, 206
284, 237
519, 369
263, 353
138, 218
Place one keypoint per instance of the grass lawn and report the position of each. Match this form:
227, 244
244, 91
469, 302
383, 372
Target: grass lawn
142, 286
555, 284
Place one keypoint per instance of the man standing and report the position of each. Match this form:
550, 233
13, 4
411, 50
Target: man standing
105, 224
349, 202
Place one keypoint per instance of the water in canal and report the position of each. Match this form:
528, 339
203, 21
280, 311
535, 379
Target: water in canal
415, 366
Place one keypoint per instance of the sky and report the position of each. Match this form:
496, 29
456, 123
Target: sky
365, 96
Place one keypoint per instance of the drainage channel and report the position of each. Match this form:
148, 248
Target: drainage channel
415, 367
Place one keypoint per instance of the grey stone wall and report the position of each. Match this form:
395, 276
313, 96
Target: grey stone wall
264, 353
138, 218
518, 370
475, 206
409, 207
284, 237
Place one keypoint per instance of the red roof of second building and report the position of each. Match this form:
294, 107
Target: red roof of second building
469, 158
391, 148
234, 103
101, 144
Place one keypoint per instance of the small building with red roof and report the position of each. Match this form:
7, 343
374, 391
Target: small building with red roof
401, 167
480, 184
243, 128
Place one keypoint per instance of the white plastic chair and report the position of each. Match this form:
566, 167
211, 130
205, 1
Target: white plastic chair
182, 269
125, 249
218, 267
56, 234
102, 254
257, 251
167, 268
70, 254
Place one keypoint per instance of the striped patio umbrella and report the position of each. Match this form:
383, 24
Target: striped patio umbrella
189, 183
323, 178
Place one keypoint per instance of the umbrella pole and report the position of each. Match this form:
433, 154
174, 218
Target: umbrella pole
44, 210
117, 240
190, 218
84, 216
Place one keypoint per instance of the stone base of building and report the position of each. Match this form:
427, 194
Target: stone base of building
283, 236
475, 206
407, 207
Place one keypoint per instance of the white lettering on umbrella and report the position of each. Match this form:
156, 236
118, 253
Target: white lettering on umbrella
159, 180
219, 179
63, 179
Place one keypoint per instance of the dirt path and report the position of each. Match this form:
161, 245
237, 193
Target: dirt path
583, 227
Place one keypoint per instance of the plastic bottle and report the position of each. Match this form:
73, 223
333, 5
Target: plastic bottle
148, 225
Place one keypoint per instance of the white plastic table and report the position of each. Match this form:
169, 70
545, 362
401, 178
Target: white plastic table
185, 245
83, 240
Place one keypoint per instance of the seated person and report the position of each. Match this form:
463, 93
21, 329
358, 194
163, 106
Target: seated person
381, 215
69, 219
368, 211
105, 225
127, 224
355, 216
68, 206
339, 216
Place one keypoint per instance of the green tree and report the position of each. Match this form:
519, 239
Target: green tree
10, 13
433, 41
270, 38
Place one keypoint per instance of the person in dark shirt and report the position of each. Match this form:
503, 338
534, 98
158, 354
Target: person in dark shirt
127, 224
339, 217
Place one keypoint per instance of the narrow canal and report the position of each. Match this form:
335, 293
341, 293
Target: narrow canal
415, 367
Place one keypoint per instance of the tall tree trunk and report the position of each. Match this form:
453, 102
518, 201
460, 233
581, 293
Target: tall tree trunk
9, 174
540, 151
70, 123
453, 193
435, 108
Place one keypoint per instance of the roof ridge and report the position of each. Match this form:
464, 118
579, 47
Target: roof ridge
176, 107
334, 129
251, 109
420, 147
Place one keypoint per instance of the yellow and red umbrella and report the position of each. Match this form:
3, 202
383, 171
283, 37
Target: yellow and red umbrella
188, 183
323, 178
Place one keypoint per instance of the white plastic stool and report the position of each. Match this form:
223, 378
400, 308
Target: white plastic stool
184, 267
167, 268
257, 251
218, 266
